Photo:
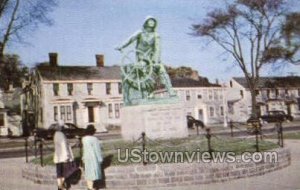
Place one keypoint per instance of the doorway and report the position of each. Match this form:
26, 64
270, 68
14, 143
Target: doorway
200, 114
289, 111
91, 114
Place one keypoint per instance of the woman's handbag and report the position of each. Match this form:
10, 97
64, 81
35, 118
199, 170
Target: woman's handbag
72, 173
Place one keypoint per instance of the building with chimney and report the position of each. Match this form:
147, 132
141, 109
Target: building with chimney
81, 95
272, 93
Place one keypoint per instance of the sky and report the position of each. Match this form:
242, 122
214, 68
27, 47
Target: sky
84, 28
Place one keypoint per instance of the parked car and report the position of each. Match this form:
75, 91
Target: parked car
191, 122
276, 116
69, 129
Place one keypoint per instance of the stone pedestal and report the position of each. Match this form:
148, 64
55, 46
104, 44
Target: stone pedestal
162, 121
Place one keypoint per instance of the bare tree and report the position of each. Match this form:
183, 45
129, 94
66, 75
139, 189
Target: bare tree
17, 16
251, 31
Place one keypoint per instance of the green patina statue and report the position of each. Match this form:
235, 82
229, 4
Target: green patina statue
142, 77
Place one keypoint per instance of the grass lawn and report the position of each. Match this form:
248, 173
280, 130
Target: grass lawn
289, 135
192, 144
19, 144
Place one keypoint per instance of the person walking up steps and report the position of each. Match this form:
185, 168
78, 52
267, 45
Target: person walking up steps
92, 157
62, 154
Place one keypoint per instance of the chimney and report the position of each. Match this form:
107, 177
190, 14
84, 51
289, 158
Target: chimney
53, 59
100, 60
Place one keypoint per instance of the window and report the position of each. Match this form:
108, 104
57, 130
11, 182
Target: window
62, 113
117, 111
210, 96
242, 93
231, 85
230, 108
256, 92
221, 94
187, 95
215, 94
2, 123
276, 92
41, 114
221, 110
108, 88
89, 88
55, 89
69, 113
70, 89
211, 111
120, 88
199, 96
268, 93
55, 111
110, 111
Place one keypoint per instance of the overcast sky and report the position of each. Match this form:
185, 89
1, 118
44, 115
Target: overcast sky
83, 28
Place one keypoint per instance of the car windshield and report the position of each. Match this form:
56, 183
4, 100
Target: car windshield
70, 126
53, 126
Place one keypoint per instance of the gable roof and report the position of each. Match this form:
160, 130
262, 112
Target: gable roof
272, 82
188, 82
79, 73
65, 73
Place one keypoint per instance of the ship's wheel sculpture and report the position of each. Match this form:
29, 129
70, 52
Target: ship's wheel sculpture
137, 75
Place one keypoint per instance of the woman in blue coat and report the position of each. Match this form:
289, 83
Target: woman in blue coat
92, 157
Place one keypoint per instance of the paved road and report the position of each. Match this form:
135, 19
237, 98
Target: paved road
284, 179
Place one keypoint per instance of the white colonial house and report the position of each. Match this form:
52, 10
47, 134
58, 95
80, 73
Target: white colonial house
75, 94
3, 117
202, 100
272, 93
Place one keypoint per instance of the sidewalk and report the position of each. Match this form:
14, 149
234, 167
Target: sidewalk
284, 179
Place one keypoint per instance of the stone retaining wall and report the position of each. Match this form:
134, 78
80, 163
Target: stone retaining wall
167, 175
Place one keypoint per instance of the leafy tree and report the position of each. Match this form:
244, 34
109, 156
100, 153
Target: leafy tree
253, 32
16, 16
12, 72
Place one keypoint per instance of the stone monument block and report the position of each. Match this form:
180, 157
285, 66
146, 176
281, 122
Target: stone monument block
158, 121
